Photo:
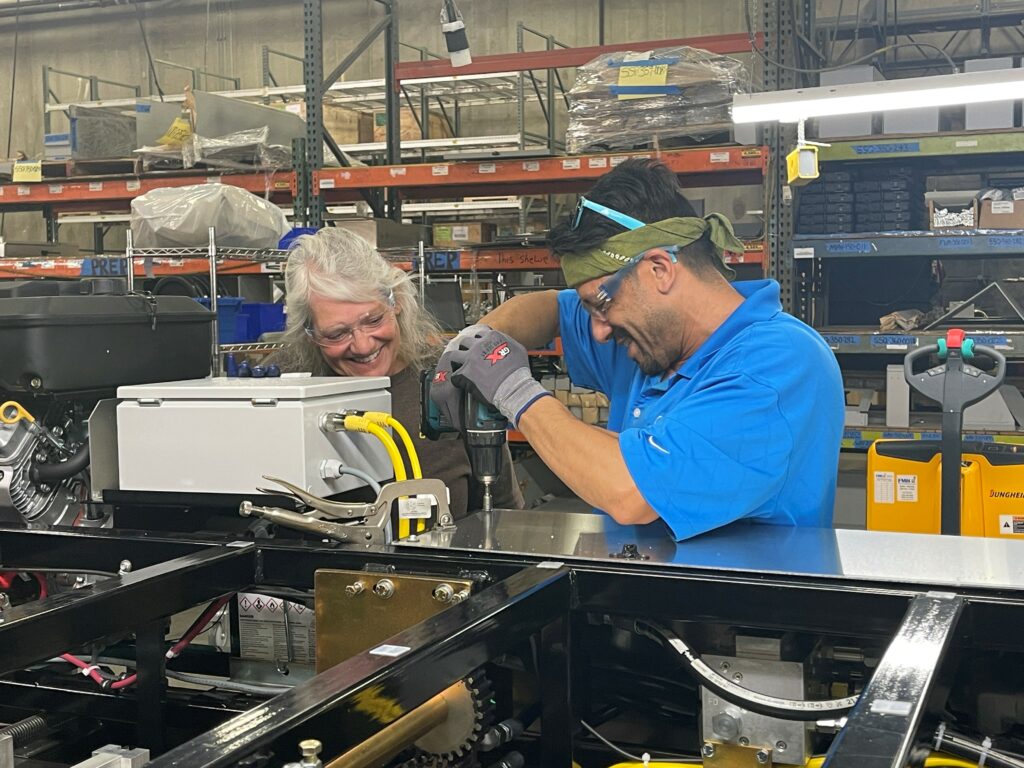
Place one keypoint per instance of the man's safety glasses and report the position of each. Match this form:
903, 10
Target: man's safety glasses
609, 213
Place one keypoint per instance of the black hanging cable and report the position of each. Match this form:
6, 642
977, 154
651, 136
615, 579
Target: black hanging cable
149, 56
10, 114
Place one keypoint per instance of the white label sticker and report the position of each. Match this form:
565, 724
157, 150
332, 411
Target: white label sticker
133, 186
487, 168
414, 508
532, 166
266, 633
884, 482
552, 564
95, 186
1002, 206
1011, 524
906, 488
22, 191
896, 346
326, 183
460, 232
619, 159
967, 143
56, 189
571, 164
439, 170
719, 157
803, 253
390, 650
597, 162
889, 707
399, 171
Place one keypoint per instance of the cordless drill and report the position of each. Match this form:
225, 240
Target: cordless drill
484, 432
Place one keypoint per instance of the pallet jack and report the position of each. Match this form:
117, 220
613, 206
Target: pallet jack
907, 489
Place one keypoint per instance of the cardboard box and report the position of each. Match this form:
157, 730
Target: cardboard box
589, 415
346, 126
456, 234
1001, 214
968, 218
410, 129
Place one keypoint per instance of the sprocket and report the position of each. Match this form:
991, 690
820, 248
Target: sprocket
455, 740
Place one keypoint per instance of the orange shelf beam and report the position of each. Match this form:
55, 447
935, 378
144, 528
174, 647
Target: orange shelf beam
112, 266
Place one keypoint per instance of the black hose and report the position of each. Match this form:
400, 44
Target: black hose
26, 731
973, 751
54, 473
762, 704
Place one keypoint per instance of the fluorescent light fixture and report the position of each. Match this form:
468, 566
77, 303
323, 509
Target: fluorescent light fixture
881, 96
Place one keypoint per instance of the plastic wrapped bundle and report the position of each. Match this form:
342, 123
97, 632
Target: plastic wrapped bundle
242, 150
626, 99
181, 216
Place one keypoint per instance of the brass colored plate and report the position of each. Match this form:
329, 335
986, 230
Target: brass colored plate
718, 755
356, 610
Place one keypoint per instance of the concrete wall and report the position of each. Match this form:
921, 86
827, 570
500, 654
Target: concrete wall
226, 36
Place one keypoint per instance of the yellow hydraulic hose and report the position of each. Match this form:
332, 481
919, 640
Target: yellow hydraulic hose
382, 419
364, 424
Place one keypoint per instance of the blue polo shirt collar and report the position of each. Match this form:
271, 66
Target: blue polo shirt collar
760, 303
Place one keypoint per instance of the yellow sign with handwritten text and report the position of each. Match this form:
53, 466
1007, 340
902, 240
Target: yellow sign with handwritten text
640, 73
177, 134
27, 170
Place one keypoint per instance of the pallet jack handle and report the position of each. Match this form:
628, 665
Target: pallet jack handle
955, 384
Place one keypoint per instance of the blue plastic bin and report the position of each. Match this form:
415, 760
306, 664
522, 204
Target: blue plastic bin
256, 319
228, 308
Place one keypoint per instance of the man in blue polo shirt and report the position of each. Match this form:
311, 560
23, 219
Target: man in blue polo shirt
723, 407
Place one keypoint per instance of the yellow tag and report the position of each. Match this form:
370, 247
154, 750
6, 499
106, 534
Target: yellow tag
176, 135
642, 74
802, 166
27, 170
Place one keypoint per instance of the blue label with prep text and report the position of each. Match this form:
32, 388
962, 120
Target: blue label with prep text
841, 339
439, 261
956, 243
114, 267
890, 339
849, 246
1015, 242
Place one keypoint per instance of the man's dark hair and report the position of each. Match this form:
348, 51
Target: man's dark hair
644, 189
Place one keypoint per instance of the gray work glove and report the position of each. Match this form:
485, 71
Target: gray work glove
496, 368
446, 395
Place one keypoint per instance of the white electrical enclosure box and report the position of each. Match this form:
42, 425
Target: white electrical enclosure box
222, 435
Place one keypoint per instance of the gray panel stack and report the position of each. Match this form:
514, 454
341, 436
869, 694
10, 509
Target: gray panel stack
848, 125
992, 115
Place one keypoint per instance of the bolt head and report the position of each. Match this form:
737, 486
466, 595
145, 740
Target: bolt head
310, 747
780, 746
125, 566
35, 382
761, 756
744, 741
708, 750
737, 676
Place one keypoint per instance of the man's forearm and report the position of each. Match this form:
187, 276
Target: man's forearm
530, 318
586, 458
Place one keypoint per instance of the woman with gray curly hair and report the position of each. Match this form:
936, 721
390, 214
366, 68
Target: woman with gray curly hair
352, 313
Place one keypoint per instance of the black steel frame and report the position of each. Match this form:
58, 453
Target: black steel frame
524, 598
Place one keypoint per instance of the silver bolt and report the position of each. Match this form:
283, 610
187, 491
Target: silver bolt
459, 596
781, 746
40, 457
310, 752
124, 567
737, 676
35, 382
744, 741
384, 588
245, 509
443, 593
726, 666
761, 756
354, 588
708, 750
44, 488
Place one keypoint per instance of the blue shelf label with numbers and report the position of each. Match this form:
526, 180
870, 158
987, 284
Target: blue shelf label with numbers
114, 267
1007, 242
892, 340
850, 246
841, 339
439, 261
903, 147
956, 243
990, 341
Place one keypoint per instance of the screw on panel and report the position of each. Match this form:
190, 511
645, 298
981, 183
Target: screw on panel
761, 756
124, 567
780, 746
708, 750
354, 588
384, 588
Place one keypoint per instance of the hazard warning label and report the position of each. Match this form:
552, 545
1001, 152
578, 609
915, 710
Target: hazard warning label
1011, 524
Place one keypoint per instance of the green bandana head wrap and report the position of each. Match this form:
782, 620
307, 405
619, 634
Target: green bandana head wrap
623, 249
